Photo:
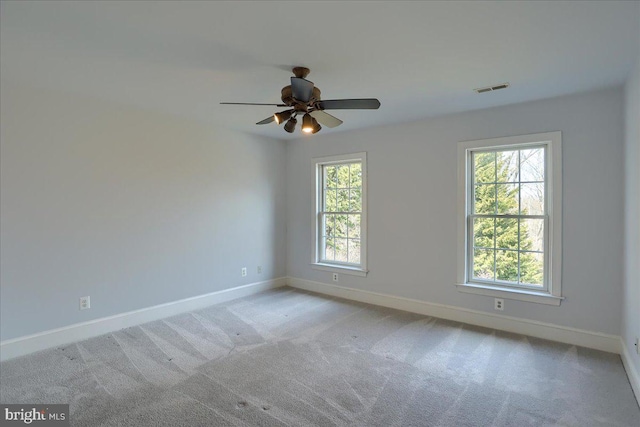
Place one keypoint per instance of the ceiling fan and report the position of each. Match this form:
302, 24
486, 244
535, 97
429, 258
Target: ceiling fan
303, 98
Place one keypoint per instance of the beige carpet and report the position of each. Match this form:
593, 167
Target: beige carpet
287, 357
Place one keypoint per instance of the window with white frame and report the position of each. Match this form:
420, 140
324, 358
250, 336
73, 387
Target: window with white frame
510, 226
340, 213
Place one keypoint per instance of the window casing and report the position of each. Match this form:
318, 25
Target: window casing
340, 214
509, 242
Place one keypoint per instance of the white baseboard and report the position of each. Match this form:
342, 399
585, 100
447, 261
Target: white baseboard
28, 344
632, 373
549, 331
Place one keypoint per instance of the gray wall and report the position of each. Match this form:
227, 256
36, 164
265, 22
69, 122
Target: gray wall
130, 207
631, 309
412, 205
136, 209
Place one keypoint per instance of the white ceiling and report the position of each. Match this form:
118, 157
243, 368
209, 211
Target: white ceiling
420, 59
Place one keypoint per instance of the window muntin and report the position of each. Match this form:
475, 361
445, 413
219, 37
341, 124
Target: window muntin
340, 214
508, 220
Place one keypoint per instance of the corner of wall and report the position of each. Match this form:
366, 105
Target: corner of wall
631, 287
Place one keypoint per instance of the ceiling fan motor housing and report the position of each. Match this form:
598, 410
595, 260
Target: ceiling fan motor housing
287, 95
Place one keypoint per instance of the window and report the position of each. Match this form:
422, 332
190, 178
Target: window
340, 214
510, 222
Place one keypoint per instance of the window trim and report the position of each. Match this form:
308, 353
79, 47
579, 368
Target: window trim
318, 163
552, 295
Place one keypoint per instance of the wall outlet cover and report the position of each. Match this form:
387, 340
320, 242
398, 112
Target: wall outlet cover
85, 303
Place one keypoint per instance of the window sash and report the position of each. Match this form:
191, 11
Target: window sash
347, 237
322, 212
470, 215
504, 283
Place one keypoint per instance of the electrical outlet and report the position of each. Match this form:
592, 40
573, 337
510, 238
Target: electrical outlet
259, 269
244, 271
85, 303
498, 304
335, 277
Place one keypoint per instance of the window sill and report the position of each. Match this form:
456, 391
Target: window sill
354, 271
512, 294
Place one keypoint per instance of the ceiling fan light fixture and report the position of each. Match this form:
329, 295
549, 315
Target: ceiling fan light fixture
290, 125
282, 116
316, 126
307, 123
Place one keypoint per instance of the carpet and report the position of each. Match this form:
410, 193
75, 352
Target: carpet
291, 358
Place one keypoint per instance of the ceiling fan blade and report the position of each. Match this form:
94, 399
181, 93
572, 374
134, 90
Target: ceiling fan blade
325, 119
349, 104
301, 89
252, 103
266, 121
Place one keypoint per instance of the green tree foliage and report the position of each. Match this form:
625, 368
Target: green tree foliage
343, 204
496, 192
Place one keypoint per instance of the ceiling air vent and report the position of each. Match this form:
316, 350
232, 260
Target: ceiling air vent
492, 88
